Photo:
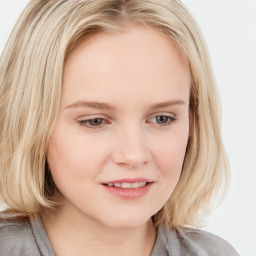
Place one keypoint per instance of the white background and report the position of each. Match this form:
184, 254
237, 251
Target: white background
229, 27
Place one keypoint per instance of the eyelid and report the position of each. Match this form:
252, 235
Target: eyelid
171, 115
89, 117
84, 121
171, 119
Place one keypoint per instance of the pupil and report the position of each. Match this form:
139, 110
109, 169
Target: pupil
95, 121
162, 119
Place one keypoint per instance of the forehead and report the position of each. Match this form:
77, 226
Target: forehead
140, 57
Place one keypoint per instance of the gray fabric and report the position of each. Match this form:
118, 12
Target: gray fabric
190, 242
27, 237
17, 238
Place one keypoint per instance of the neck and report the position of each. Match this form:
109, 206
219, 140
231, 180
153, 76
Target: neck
75, 234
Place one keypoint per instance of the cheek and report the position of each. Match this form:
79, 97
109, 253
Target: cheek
70, 158
75, 158
169, 155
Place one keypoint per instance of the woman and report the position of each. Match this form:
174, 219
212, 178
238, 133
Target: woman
110, 136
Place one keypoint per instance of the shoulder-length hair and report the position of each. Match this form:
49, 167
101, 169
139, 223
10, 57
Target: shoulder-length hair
31, 70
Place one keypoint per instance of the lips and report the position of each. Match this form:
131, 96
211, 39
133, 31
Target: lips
129, 188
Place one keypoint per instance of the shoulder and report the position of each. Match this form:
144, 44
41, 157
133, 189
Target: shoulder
12, 227
189, 241
207, 242
16, 236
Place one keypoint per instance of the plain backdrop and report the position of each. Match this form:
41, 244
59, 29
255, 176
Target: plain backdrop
229, 27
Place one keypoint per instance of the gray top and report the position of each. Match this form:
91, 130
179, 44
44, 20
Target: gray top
27, 237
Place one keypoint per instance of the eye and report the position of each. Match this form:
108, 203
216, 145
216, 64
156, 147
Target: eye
163, 120
92, 123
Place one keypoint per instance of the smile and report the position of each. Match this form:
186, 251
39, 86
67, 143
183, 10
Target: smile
129, 188
127, 185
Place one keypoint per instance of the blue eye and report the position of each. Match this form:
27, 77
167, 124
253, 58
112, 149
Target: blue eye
163, 120
94, 122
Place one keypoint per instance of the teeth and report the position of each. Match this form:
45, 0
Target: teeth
135, 185
128, 185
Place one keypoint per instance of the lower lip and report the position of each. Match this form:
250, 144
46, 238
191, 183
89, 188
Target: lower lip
129, 193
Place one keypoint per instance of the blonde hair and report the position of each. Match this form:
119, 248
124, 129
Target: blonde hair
31, 69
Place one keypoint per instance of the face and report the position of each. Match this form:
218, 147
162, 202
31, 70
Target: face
118, 145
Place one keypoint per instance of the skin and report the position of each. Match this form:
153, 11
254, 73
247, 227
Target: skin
129, 71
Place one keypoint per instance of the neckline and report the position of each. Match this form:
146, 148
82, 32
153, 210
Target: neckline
46, 249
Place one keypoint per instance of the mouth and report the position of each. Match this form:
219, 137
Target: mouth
127, 184
129, 189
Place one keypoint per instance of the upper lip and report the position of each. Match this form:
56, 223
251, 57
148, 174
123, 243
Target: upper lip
128, 180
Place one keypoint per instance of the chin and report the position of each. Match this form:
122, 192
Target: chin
127, 221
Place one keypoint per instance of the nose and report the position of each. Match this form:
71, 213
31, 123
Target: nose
131, 150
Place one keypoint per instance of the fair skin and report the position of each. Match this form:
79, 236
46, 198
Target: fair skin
124, 115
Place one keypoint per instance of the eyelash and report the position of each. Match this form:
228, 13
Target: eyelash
171, 120
86, 123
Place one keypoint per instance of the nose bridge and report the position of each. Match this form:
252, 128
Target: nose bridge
131, 147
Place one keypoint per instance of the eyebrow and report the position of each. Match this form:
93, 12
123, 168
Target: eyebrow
91, 104
168, 103
105, 106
